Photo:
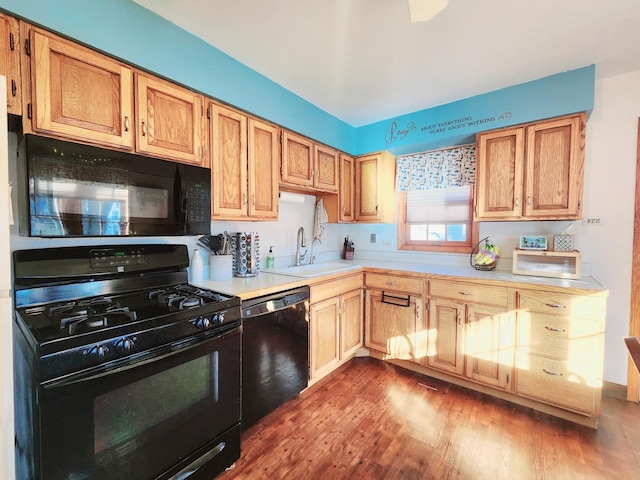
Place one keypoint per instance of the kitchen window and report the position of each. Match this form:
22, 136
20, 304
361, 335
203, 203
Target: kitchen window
436, 200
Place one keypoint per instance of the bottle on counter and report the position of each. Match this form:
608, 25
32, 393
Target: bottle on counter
196, 267
270, 258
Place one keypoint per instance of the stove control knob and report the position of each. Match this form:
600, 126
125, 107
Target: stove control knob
202, 323
219, 318
97, 353
125, 345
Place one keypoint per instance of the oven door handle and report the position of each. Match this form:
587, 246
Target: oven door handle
124, 365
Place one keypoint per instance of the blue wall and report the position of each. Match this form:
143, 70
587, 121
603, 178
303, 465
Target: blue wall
128, 31
457, 123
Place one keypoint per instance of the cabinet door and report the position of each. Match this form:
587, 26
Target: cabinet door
490, 344
10, 62
446, 335
555, 163
170, 121
367, 204
375, 193
499, 174
228, 163
350, 323
325, 340
264, 159
347, 189
326, 169
78, 94
391, 327
297, 160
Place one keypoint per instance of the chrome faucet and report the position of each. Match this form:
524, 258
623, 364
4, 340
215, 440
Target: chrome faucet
301, 241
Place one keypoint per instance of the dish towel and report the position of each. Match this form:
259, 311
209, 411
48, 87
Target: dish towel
320, 218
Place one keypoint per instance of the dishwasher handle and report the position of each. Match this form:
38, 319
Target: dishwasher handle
254, 307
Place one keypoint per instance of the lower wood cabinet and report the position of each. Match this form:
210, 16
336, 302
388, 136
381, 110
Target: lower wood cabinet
560, 349
533, 345
394, 316
471, 332
335, 324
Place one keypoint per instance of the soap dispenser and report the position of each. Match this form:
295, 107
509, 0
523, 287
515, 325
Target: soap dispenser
270, 258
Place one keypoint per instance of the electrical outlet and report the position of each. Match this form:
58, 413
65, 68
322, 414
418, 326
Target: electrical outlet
386, 244
372, 238
593, 221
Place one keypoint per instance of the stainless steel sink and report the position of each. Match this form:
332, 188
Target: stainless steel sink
312, 270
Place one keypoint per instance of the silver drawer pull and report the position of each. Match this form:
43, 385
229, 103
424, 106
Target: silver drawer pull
555, 305
558, 374
552, 329
464, 293
392, 282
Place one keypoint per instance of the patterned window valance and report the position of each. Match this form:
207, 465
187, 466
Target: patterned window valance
451, 167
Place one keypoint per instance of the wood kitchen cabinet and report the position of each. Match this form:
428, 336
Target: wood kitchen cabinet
341, 208
307, 165
560, 349
394, 316
375, 192
471, 331
531, 172
335, 324
244, 166
170, 121
74, 92
10, 62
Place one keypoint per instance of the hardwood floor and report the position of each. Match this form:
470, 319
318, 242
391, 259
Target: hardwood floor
373, 420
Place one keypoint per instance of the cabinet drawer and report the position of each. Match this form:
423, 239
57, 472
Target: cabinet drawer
559, 304
558, 337
571, 385
470, 292
393, 282
335, 287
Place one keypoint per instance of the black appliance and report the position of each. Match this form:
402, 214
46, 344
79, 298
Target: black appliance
275, 351
74, 190
123, 370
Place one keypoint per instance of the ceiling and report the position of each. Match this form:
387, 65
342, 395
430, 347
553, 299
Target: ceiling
364, 61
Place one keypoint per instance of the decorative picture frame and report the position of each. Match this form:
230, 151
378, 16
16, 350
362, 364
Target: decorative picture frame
533, 242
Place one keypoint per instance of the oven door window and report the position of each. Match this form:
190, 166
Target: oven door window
139, 421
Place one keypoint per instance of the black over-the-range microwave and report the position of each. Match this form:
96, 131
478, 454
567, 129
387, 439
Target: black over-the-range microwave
74, 190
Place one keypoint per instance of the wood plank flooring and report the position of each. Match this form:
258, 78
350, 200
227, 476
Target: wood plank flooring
372, 420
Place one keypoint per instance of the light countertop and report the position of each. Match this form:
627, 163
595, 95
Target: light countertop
266, 283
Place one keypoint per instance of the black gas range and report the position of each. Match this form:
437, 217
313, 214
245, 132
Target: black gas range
116, 335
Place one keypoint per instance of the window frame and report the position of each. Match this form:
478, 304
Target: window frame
405, 243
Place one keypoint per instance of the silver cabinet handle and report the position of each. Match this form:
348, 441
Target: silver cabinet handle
549, 372
126, 124
144, 129
555, 305
552, 329
465, 293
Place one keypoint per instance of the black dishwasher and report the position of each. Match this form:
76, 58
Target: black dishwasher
275, 351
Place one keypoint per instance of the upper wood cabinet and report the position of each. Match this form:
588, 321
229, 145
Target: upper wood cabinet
531, 172
244, 166
169, 121
74, 92
341, 208
308, 166
375, 192
10, 61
